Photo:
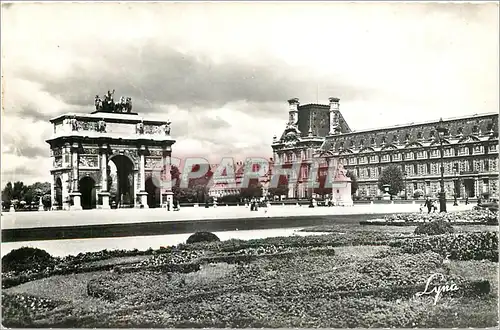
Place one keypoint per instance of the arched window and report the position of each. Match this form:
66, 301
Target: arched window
419, 135
383, 140
475, 129
372, 141
460, 131
361, 143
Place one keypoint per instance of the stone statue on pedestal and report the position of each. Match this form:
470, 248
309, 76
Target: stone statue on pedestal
139, 128
166, 127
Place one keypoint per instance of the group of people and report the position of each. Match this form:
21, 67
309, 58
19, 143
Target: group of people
430, 204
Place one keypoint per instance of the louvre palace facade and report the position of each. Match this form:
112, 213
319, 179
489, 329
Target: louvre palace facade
470, 151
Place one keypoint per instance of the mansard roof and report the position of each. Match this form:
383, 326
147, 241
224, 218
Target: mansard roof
415, 135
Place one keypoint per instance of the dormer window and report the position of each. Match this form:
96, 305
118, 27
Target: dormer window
383, 140
419, 135
460, 131
372, 141
475, 129
361, 143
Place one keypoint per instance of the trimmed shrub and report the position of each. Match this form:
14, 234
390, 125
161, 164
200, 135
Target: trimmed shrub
26, 258
202, 236
437, 227
466, 246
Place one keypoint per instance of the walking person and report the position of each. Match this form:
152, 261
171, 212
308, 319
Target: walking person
428, 204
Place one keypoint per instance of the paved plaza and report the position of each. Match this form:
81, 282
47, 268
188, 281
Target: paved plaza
124, 216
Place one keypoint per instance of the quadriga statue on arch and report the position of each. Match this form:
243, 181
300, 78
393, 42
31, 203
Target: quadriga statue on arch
124, 105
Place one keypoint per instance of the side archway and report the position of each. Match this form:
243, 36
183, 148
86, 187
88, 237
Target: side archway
58, 193
88, 191
153, 193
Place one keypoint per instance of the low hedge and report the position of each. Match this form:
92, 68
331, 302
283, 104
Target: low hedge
437, 227
202, 236
26, 258
463, 246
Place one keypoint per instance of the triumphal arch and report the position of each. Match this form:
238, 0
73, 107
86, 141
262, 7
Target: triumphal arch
84, 146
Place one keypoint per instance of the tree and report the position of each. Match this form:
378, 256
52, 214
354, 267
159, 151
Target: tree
354, 181
281, 188
18, 190
254, 189
392, 176
7, 193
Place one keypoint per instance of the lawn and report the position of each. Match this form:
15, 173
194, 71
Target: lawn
352, 277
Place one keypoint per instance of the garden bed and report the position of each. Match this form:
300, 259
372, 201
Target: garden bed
470, 217
353, 278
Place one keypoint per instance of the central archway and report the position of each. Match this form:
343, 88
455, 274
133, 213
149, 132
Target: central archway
121, 180
88, 191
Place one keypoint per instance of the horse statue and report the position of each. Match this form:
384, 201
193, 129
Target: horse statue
98, 103
128, 104
166, 127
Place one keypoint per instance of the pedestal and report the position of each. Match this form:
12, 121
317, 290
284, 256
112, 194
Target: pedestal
41, 207
168, 197
143, 196
76, 197
12, 209
105, 200
386, 197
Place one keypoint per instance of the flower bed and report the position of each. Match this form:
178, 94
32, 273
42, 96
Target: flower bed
470, 216
464, 246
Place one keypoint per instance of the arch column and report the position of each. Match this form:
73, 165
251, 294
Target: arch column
104, 193
53, 193
167, 194
75, 195
143, 195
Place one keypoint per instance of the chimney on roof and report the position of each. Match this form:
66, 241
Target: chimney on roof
293, 111
334, 115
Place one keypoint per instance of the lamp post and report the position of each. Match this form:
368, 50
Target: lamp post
442, 195
404, 176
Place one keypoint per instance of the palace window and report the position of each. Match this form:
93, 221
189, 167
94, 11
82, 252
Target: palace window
368, 173
493, 164
396, 157
361, 143
352, 161
478, 149
385, 158
493, 148
448, 152
373, 159
434, 168
363, 160
372, 141
383, 140
463, 151
475, 130
434, 153
449, 168
421, 169
420, 154
478, 165
460, 131
463, 166
409, 155
409, 170
419, 135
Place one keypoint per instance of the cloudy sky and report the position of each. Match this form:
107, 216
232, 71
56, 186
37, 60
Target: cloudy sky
223, 72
